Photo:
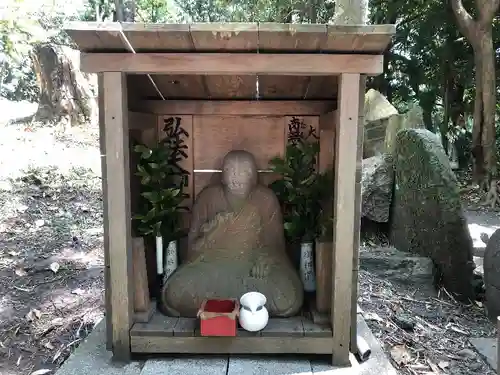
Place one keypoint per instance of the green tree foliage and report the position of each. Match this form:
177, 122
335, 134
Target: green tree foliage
156, 11
98, 10
296, 11
17, 80
429, 61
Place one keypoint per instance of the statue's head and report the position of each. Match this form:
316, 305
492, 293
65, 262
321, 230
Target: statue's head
239, 172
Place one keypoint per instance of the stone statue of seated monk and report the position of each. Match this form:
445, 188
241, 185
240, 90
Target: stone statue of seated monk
236, 244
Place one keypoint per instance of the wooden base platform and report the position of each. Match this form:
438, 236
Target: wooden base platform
296, 335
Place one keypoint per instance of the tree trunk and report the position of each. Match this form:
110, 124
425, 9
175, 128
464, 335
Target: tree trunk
488, 96
444, 128
125, 10
65, 92
457, 109
351, 12
381, 83
313, 11
477, 126
479, 34
427, 117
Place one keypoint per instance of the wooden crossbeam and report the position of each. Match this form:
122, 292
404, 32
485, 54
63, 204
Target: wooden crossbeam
232, 63
226, 107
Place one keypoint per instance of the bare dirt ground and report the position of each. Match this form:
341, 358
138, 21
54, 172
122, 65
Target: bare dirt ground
51, 267
51, 258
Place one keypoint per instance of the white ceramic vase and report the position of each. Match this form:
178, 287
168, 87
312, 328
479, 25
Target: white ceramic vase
159, 255
253, 313
307, 274
170, 259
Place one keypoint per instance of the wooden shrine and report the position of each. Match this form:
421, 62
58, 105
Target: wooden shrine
232, 86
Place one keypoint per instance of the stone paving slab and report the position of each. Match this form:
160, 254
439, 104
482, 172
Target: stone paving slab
268, 366
92, 358
487, 347
377, 363
186, 366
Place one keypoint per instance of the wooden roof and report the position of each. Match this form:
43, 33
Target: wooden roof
94, 37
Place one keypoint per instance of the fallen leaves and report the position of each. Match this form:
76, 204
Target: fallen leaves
39, 223
32, 314
78, 291
49, 346
443, 365
467, 353
456, 329
372, 316
423, 334
54, 267
400, 355
20, 272
435, 368
41, 371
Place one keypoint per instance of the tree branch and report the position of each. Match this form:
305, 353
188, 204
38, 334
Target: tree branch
487, 10
465, 21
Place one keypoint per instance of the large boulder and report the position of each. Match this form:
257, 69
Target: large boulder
377, 182
427, 216
492, 275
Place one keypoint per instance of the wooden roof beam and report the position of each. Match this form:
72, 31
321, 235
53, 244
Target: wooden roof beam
231, 107
232, 63
232, 37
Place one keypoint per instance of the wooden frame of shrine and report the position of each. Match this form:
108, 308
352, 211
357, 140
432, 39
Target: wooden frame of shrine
207, 74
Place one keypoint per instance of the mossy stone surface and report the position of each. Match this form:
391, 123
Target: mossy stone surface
492, 275
427, 216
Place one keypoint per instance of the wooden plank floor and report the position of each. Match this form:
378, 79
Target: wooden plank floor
161, 325
181, 335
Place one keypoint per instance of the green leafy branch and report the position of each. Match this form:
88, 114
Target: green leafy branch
302, 191
162, 189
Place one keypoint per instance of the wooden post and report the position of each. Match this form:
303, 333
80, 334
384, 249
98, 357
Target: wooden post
102, 146
355, 12
116, 138
357, 216
324, 245
346, 143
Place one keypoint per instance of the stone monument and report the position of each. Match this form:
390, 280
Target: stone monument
427, 217
491, 275
236, 244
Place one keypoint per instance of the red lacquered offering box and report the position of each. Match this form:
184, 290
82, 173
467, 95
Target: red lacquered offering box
218, 317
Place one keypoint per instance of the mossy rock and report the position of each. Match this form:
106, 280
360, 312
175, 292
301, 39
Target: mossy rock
492, 275
427, 216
